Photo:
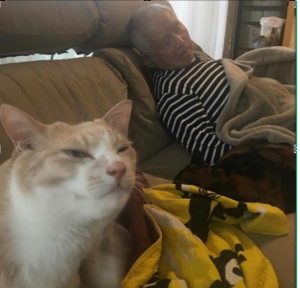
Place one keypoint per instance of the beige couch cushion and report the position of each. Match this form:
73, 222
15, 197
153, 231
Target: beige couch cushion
168, 162
281, 251
114, 22
146, 130
28, 27
67, 90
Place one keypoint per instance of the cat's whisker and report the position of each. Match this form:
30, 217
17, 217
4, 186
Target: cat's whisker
161, 176
130, 128
151, 177
142, 194
150, 166
140, 184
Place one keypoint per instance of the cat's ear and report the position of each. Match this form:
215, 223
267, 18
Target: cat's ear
118, 117
21, 128
255, 35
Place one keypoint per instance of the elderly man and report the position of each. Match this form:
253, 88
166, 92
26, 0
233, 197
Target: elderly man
202, 101
190, 91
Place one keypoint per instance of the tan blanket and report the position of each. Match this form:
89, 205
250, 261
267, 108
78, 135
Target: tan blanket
260, 107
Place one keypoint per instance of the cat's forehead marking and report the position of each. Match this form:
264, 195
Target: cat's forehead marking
92, 125
91, 130
95, 137
99, 138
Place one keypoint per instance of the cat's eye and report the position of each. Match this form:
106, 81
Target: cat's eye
122, 149
76, 153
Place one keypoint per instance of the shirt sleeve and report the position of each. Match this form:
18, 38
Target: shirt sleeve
186, 119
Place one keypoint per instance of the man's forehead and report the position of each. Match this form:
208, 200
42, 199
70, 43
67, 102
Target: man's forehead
164, 16
160, 24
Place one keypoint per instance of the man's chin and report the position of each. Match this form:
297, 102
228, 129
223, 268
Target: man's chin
184, 64
186, 59
179, 63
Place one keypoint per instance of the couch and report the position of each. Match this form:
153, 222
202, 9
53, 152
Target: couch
85, 88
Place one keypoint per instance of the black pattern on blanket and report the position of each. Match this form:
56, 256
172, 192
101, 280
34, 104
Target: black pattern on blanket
199, 245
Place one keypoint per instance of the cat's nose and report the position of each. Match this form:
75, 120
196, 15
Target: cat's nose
116, 170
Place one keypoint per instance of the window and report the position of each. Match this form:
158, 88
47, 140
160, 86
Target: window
68, 55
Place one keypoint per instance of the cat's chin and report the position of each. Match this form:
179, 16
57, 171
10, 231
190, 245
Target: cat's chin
118, 191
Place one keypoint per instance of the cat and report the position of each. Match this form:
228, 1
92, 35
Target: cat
253, 172
60, 193
260, 41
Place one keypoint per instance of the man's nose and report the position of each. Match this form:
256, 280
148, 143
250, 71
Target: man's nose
116, 170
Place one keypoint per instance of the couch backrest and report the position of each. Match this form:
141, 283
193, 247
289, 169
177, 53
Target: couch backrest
80, 89
49, 27
28, 27
114, 20
71, 91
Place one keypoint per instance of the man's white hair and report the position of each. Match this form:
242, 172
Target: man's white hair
138, 25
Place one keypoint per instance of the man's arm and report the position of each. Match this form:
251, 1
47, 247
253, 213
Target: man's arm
186, 119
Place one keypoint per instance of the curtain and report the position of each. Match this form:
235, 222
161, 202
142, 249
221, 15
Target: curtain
24, 58
206, 23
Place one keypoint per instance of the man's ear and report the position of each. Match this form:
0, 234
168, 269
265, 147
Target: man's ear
147, 61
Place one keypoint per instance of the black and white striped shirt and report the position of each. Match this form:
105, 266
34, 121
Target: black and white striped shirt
189, 102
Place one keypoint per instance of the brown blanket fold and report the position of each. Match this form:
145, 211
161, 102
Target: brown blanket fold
254, 172
133, 218
260, 107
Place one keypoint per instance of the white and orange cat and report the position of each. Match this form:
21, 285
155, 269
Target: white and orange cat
59, 195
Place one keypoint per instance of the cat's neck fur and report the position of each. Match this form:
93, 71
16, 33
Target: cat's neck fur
28, 253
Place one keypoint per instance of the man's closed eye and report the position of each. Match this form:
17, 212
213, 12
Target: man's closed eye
166, 43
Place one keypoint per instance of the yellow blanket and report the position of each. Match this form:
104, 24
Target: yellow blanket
199, 245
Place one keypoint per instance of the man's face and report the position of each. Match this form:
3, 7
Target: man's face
170, 45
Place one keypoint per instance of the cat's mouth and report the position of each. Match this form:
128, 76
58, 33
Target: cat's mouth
114, 191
